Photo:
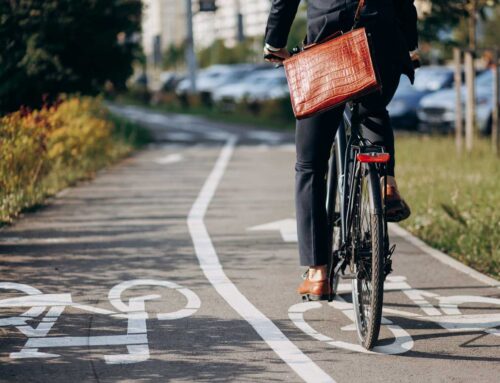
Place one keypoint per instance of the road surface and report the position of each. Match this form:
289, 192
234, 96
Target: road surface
180, 264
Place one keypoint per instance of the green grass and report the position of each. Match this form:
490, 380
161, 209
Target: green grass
130, 134
455, 199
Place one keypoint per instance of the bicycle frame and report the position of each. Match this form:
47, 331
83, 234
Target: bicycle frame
344, 175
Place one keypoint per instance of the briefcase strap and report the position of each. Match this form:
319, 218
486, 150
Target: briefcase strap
357, 15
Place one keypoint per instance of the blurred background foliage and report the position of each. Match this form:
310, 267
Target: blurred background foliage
48, 47
445, 15
219, 53
48, 149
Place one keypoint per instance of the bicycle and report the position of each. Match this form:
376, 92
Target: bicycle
356, 216
356, 241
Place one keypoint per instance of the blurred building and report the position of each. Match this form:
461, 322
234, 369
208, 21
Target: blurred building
163, 24
233, 20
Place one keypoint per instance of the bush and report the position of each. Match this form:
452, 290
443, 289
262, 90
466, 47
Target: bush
45, 150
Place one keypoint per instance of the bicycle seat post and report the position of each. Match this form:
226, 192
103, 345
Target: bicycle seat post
355, 118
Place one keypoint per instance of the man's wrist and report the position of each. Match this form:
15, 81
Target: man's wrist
270, 48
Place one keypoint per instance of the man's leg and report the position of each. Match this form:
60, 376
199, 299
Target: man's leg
314, 139
376, 127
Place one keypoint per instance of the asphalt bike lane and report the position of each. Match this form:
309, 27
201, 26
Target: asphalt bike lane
104, 285
122, 248
440, 323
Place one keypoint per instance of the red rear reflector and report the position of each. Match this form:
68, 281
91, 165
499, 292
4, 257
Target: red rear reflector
374, 157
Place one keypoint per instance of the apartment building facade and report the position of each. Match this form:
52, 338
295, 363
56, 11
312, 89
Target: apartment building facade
164, 22
232, 20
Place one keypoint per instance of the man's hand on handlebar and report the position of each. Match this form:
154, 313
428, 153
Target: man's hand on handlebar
415, 58
277, 56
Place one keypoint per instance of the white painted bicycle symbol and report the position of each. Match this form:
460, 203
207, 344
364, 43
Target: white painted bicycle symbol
134, 311
446, 314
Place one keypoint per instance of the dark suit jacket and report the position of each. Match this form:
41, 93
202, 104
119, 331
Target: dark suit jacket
393, 25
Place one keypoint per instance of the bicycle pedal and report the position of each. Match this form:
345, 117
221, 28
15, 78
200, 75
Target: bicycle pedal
336, 219
315, 298
387, 267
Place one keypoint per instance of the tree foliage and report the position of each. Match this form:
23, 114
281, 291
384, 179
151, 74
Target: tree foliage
174, 56
219, 53
444, 15
48, 47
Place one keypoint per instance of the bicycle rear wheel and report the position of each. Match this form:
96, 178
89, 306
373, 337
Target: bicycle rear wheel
368, 256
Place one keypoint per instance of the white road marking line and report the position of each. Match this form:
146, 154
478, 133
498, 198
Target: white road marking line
402, 339
289, 234
453, 320
76, 341
209, 263
135, 312
264, 135
192, 305
170, 159
442, 257
35, 241
287, 228
287, 147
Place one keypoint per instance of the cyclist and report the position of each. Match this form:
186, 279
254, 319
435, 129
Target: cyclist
393, 26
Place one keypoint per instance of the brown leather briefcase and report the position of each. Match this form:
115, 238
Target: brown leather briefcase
328, 74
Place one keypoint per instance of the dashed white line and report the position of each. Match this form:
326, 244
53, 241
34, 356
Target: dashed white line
169, 159
209, 263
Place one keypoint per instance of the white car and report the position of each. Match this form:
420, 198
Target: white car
438, 109
204, 78
258, 86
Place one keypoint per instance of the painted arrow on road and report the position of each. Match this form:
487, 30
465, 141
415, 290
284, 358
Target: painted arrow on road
287, 228
170, 159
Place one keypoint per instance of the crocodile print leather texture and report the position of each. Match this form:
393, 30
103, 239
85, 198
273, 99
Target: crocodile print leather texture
329, 74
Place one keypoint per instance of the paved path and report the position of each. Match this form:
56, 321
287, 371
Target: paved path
180, 264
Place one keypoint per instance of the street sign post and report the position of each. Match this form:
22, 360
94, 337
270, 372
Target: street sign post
190, 55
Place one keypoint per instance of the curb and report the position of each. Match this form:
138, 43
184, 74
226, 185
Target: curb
442, 257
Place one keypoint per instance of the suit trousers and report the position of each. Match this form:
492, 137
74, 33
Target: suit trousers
314, 137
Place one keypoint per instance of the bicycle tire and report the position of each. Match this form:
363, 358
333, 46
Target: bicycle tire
368, 286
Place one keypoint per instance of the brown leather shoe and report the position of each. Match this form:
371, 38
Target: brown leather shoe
315, 290
396, 209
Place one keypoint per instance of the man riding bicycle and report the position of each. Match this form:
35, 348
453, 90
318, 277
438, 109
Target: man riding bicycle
393, 27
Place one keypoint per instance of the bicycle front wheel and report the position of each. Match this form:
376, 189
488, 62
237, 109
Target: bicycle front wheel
367, 258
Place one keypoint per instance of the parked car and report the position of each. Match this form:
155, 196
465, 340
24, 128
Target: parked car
438, 110
203, 77
232, 75
403, 107
271, 87
256, 87
212, 78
